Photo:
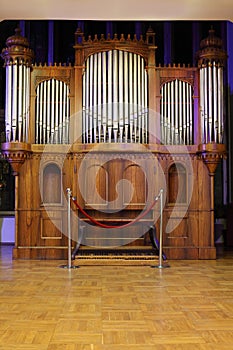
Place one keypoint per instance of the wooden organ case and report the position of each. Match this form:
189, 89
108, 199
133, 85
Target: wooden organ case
115, 128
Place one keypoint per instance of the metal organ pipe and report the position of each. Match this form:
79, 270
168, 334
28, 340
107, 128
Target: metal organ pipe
56, 113
168, 113
8, 101
220, 103
205, 104
104, 116
40, 121
20, 97
67, 106
95, 91
162, 114
84, 108
65, 115
187, 114
180, 112
131, 96
215, 101
14, 100
184, 125
210, 102
143, 101
99, 119
176, 113
146, 107
86, 87
91, 99
190, 115
109, 121
164, 129
48, 113
202, 111
37, 113
44, 111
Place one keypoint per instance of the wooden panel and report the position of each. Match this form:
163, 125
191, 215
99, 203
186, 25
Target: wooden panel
135, 175
51, 229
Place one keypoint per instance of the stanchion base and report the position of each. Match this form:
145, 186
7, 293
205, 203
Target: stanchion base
160, 266
69, 267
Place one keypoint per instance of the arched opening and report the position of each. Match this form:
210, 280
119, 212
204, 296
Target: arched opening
177, 184
52, 184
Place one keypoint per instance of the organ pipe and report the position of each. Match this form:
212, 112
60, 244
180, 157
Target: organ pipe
215, 102
44, 111
202, 104
210, 101
220, 103
205, 105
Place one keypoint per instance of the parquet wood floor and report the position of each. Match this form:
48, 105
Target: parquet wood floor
187, 306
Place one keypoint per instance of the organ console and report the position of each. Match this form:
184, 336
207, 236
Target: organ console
115, 128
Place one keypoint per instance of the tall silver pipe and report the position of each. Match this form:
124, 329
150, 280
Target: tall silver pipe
220, 103
172, 113
56, 111
8, 101
109, 121
67, 113
202, 112
210, 116
91, 100
164, 140
162, 113
48, 123
143, 99
126, 91
215, 102
146, 107
20, 97
28, 76
187, 113
104, 116
181, 139
206, 104
37, 113
169, 112
184, 113
64, 131
190, 115
176, 112
43, 132
14, 102
40, 123
61, 92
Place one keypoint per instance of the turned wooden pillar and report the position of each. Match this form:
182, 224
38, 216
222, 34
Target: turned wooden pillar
211, 154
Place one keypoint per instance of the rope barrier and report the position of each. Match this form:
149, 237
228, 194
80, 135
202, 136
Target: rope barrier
94, 221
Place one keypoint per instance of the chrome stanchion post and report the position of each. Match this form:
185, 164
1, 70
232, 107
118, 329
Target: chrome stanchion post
69, 265
160, 265
161, 230
69, 228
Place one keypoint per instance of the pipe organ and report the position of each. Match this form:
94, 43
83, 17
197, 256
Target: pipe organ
115, 127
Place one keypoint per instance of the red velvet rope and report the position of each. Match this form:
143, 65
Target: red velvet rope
112, 226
